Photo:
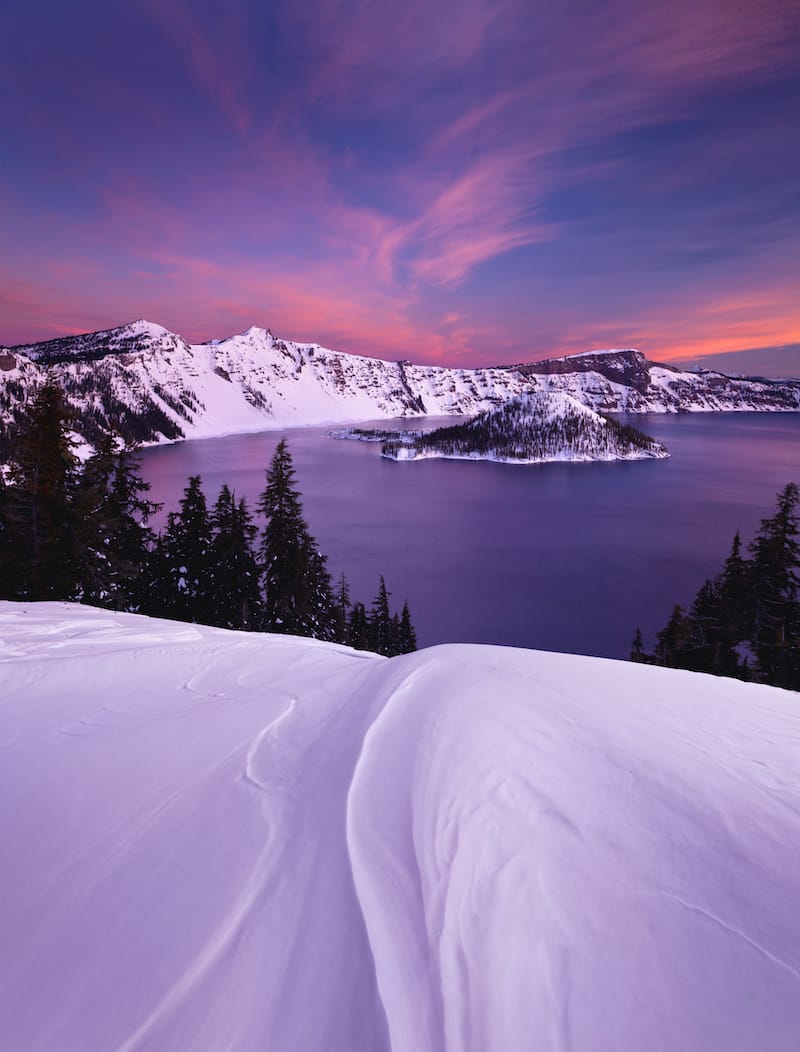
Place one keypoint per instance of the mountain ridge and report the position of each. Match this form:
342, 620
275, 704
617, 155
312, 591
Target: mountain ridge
153, 386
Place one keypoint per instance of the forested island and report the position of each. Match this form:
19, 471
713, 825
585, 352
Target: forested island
529, 429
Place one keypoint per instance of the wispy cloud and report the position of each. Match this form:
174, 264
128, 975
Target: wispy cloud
217, 61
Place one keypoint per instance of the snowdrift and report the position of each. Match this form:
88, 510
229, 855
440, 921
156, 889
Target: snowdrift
214, 840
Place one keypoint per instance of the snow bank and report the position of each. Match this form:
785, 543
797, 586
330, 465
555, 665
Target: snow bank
215, 840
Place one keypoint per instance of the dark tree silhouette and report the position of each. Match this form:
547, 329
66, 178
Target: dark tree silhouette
297, 586
42, 546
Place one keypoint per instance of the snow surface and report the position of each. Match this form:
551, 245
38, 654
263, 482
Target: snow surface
220, 841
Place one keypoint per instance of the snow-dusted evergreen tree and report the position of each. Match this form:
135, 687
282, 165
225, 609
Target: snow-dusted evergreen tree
180, 585
342, 606
232, 568
381, 633
406, 635
7, 563
42, 546
321, 602
114, 512
358, 635
297, 587
776, 593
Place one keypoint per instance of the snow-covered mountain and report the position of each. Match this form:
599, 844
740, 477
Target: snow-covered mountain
614, 381
532, 428
214, 840
154, 386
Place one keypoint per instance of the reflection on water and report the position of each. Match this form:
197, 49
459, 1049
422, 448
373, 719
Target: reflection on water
565, 557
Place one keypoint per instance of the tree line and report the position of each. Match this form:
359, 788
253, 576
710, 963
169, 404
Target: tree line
745, 622
81, 532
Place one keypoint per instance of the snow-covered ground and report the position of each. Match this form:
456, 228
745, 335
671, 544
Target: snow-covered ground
219, 841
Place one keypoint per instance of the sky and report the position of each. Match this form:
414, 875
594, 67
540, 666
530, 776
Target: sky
462, 182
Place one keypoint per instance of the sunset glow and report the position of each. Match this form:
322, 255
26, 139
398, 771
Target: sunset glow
469, 182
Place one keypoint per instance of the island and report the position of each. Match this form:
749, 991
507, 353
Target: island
532, 428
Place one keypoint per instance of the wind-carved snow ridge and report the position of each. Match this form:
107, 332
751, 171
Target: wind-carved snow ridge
153, 386
266, 842
535, 874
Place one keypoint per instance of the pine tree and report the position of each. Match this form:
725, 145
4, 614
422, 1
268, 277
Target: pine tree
114, 513
319, 595
637, 649
43, 556
394, 636
776, 593
232, 567
358, 635
406, 636
180, 586
735, 589
674, 641
8, 565
297, 587
703, 647
381, 636
342, 606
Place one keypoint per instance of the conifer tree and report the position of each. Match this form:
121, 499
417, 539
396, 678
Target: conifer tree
637, 649
703, 651
735, 591
358, 635
776, 593
321, 604
233, 569
8, 567
341, 609
381, 635
42, 539
114, 513
297, 587
181, 578
674, 641
394, 636
406, 636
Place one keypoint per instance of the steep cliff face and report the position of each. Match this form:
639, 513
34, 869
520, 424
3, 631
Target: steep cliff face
153, 386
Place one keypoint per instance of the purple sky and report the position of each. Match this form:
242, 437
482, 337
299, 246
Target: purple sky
464, 182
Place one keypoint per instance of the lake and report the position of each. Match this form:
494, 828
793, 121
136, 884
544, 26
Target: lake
568, 557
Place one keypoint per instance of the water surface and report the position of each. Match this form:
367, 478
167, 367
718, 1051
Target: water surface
568, 557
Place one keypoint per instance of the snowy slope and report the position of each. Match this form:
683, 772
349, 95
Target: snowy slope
155, 386
214, 840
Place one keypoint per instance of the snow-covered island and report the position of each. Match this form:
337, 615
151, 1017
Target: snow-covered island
216, 840
529, 429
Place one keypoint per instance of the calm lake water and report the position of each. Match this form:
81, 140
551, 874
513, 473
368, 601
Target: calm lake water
568, 557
